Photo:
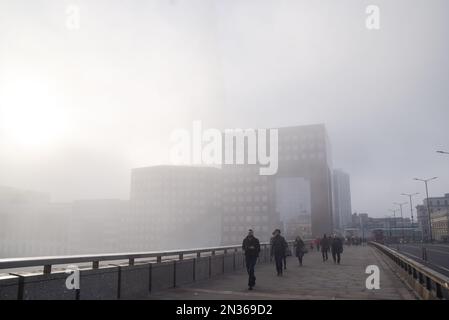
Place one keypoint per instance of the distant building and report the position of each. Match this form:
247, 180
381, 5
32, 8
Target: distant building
305, 153
440, 225
31, 225
392, 228
342, 199
294, 206
436, 206
297, 199
174, 207
99, 226
24, 229
247, 202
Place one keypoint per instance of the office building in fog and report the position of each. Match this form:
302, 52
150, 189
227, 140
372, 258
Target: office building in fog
99, 226
297, 199
174, 207
304, 152
248, 202
28, 227
294, 206
342, 200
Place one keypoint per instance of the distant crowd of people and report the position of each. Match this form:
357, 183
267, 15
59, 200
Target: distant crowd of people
279, 250
354, 241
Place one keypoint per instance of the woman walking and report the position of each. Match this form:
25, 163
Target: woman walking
300, 248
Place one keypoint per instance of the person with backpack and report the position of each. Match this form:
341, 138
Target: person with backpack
278, 249
251, 248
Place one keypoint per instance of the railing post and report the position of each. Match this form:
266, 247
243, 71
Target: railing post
198, 254
181, 256
95, 264
159, 259
210, 266
47, 269
131, 261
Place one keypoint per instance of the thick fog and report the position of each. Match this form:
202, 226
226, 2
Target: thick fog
81, 106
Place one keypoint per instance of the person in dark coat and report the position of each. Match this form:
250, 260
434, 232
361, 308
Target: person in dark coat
278, 249
336, 249
300, 249
251, 247
324, 247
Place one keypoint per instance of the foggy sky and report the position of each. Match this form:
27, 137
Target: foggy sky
80, 108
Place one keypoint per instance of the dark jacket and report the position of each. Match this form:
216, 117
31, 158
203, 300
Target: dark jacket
300, 247
278, 246
251, 246
337, 245
325, 244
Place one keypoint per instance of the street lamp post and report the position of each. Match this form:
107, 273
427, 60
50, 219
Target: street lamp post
410, 195
402, 217
389, 228
428, 207
394, 217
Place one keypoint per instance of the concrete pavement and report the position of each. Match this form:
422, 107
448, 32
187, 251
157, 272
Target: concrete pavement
314, 280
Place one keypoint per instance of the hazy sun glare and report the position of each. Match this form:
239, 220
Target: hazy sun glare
31, 111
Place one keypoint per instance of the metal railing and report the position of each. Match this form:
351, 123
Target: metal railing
428, 283
49, 261
95, 259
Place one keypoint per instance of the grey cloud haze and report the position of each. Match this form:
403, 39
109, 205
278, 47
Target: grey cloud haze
103, 99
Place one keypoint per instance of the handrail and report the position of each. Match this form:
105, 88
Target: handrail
55, 260
48, 261
433, 281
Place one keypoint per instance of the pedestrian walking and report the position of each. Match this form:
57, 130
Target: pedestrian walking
251, 247
336, 248
324, 247
278, 249
317, 243
300, 249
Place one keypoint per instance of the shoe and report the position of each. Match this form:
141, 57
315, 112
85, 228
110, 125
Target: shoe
250, 288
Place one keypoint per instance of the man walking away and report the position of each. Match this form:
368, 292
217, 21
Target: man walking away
251, 247
336, 248
300, 248
278, 249
317, 242
324, 247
